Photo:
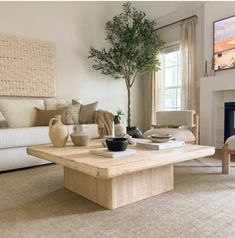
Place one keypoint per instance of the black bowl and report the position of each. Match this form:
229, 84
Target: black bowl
117, 144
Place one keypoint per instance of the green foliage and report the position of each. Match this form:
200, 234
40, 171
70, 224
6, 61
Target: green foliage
133, 49
120, 112
133, 46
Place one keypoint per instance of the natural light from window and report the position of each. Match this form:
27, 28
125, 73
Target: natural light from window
170, 66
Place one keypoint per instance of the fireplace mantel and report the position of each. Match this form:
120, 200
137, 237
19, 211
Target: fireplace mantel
209, 88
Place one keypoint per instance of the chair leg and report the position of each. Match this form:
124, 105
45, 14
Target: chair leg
226, 160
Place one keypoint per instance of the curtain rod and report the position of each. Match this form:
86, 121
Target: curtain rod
175, 22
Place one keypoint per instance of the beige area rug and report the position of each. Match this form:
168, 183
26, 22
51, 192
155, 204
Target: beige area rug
210, 161
34, 204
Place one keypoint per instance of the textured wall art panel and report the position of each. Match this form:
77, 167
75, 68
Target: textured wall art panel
27, 67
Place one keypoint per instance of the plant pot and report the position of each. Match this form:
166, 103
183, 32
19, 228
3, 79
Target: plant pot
80, 136
134, 131
80, 140
117, 119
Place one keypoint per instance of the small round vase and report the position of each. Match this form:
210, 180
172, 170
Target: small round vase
80, 135
58, 132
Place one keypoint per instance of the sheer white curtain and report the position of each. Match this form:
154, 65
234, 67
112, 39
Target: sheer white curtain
156, 86
189, 95
155, 100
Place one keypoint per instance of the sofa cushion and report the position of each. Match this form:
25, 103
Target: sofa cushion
20, 112
179, 134
175, 118
44, 116
70, 114
21, 137
87, 112
52, 103
3, 122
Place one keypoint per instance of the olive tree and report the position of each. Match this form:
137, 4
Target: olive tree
133, 48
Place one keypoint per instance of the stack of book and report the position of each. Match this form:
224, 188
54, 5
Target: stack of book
159, 146
112, 154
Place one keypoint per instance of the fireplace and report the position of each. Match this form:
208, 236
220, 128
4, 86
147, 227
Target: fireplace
229, 119
215, 91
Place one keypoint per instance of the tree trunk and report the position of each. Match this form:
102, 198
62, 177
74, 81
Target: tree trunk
129, 107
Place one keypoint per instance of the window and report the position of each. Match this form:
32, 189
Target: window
170, 65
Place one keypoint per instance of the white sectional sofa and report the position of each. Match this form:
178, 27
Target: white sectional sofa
20, 115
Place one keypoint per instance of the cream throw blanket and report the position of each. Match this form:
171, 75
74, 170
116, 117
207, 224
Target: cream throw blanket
104, 119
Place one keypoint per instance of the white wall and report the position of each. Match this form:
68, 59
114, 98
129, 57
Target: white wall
73, 26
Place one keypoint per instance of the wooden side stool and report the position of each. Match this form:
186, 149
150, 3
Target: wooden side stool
228, 150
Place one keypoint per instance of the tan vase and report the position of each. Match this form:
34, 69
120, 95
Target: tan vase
58, 132
80, 136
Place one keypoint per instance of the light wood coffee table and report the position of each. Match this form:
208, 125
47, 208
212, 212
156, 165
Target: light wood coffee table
113, 183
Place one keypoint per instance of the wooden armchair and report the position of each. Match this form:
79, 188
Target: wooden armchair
228, 150
183, 125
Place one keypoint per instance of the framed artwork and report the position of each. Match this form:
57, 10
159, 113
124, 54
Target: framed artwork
224, 43
27, 67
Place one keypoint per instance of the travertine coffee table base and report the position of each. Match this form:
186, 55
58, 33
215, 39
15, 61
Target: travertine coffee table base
115, 182
118, 191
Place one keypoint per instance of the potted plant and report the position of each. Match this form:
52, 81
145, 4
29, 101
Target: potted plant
119, 123
133, 50
118, 117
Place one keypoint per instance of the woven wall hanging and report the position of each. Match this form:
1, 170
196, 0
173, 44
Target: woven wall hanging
27, 67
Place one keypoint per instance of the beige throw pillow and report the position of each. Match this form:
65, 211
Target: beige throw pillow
3, 122
44, 116
87, 112
52, 103
70, 113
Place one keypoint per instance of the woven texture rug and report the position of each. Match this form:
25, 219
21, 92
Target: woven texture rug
34, 204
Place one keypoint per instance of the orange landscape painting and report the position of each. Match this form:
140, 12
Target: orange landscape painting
224, 44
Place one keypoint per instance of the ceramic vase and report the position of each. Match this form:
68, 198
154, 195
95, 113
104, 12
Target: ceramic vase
120, 130
58, 132
120, 126
134, 131
80, 135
